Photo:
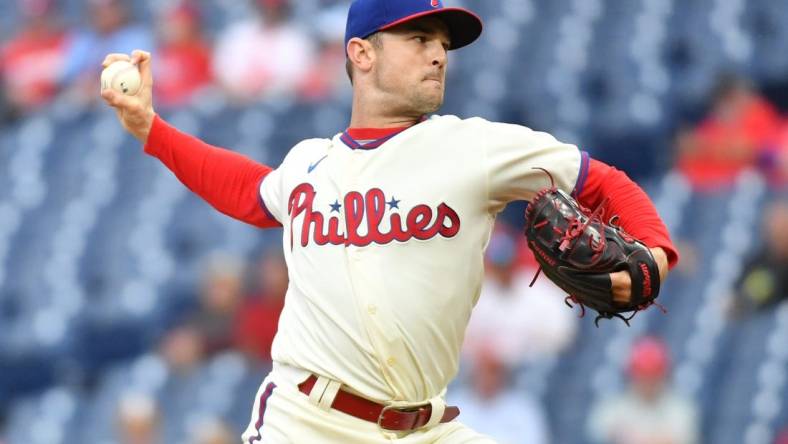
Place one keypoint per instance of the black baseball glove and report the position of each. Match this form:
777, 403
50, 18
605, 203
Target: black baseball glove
577, 251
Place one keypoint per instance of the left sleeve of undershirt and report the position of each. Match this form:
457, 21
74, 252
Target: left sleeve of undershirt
637, 214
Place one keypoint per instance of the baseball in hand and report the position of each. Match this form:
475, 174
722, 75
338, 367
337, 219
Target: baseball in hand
121, 76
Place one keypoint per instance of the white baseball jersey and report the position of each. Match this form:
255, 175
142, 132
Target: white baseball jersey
385, 246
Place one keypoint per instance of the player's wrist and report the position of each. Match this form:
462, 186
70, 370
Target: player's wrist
147, 131
149, 118
661, 257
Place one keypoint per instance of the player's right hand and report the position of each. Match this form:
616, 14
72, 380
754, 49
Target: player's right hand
134, 112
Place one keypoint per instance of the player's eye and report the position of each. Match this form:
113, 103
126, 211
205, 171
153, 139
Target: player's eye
420, 39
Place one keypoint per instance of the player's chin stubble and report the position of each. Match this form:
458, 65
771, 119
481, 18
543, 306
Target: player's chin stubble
424, 97
427, 99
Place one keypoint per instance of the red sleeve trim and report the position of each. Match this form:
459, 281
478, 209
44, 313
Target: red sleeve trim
226, 180
637, 214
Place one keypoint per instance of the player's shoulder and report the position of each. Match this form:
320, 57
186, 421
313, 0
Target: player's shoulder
455, 121
452, 122
448, 127
312, 145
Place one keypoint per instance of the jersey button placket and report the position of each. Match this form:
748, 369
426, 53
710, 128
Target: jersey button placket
356, 181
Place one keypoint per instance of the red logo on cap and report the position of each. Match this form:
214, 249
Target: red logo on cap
435, 3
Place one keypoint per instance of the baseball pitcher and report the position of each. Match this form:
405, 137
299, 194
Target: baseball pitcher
384, 229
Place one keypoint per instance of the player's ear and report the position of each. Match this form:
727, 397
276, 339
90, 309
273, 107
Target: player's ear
361, 54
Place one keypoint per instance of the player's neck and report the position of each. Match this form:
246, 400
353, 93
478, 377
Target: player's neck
369, 114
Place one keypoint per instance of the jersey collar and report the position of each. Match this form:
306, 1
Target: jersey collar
371, 138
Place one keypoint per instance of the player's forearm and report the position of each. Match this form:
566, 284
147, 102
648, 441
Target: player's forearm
226, 180
637, 214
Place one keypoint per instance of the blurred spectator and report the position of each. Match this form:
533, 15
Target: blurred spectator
220, 297
112, 30
209, 329
736, 135
327, 76
647, 413
213, 431
258, 317
8, 112
138, 420
32, 63
266, 55
492, 406
183, 57
764, 281
520, 323
182, 349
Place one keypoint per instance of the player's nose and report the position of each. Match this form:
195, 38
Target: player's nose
439, 56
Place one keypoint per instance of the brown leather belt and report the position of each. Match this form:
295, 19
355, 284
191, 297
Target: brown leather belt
387, 417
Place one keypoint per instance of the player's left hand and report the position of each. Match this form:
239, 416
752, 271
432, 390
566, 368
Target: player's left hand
584, 256
622, 281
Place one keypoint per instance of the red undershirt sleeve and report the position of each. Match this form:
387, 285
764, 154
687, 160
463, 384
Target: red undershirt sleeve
637, 214
226, 180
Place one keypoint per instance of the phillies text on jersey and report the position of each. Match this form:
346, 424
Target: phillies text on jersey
420, 222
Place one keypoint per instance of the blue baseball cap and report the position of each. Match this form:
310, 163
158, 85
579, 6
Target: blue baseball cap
367, 17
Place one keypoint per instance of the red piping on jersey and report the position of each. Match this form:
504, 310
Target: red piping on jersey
227, 180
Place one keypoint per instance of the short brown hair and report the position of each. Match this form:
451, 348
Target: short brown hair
376, 43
